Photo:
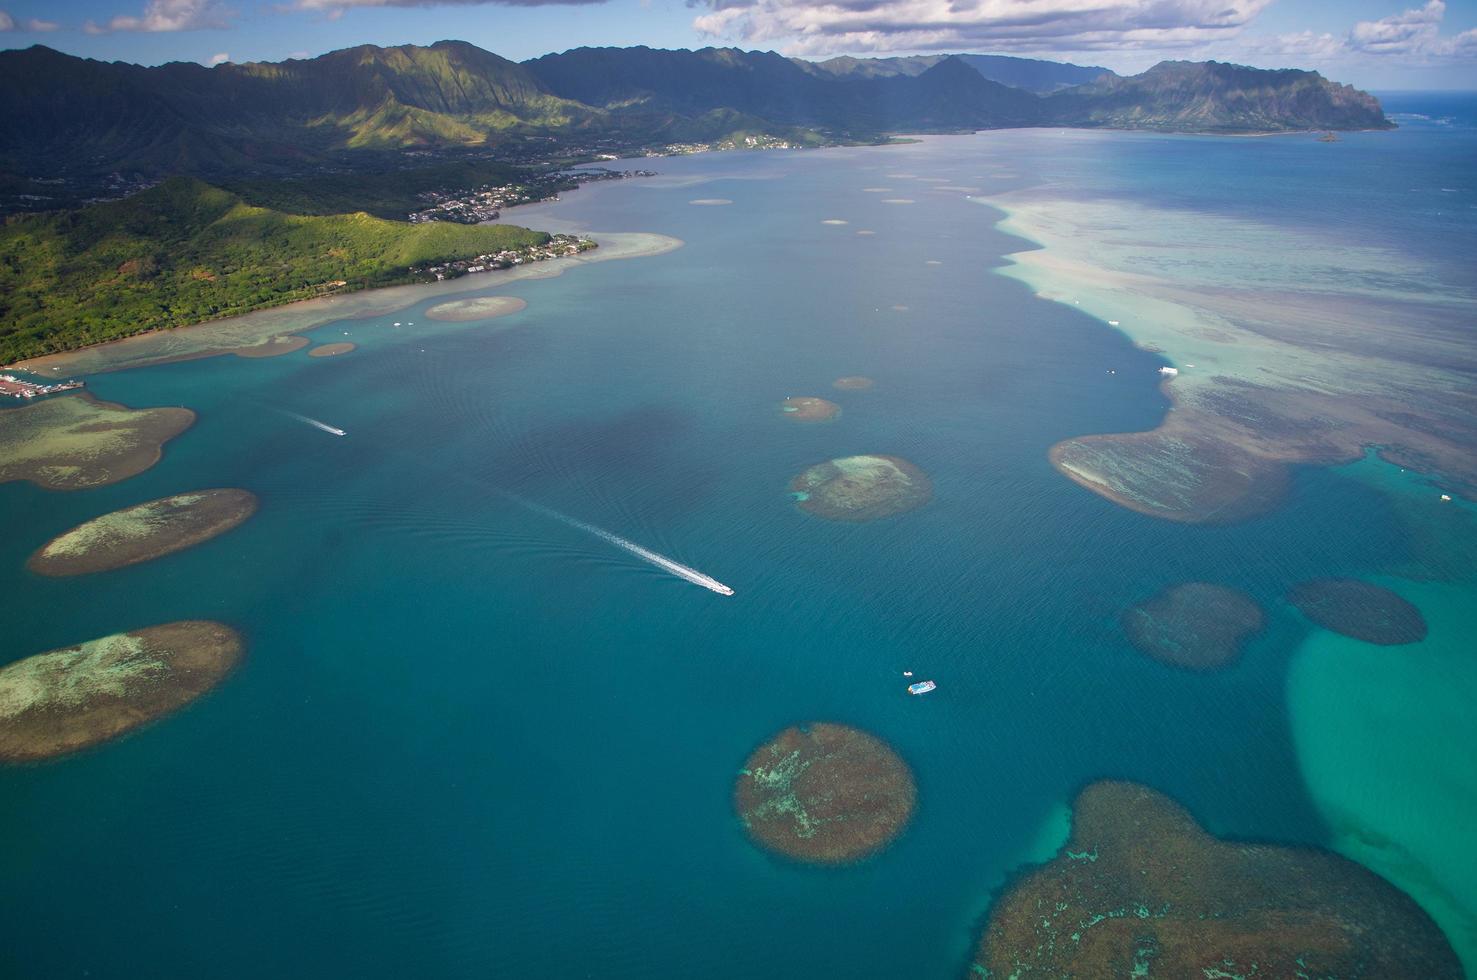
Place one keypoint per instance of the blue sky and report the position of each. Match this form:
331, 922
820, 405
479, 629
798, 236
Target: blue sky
1378, 44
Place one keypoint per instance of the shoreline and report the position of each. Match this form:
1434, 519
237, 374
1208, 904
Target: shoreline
235, 334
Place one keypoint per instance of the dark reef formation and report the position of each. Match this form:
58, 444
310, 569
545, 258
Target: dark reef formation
861, 488
67, 700
1362, 610
804, 408
825, 793
1195, 625
1141, 890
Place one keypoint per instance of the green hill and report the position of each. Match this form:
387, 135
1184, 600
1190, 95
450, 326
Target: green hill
1212, 97
185, 251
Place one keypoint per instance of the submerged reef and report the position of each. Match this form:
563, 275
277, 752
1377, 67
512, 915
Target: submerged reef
331, 350
75, 441
1141, 890
852, 382
477, 308
803, 408
1362, 610
67, 700
143, 532
861, 488
1195, 625
825, 793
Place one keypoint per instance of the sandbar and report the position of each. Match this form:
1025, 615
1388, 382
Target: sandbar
476, 308
331, 350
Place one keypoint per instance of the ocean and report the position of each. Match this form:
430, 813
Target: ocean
471, 739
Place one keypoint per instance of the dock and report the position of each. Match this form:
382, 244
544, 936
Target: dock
20, 388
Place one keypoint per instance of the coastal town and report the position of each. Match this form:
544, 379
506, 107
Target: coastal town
470, 207
557, 247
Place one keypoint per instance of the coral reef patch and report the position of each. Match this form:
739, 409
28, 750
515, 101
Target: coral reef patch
143, 532
1141, 890
1363, 610
63, 701
861, 488
76, 441
825, 793
1196, 625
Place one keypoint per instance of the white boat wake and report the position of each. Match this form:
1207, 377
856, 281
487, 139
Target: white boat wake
314, 423
645, 554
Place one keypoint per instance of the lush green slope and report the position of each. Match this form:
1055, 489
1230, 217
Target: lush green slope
391, 194
185, 252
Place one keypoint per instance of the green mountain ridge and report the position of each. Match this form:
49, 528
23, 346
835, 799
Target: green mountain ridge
61, 114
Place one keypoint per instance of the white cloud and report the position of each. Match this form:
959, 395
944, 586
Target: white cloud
1411, 37
335, 8
39, 26
1414, 33
819, 27
168, 15
7, 22
219, 59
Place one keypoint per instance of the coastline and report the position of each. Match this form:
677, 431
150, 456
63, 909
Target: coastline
237, 334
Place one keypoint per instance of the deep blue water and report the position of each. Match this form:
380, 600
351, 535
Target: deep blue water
471, 741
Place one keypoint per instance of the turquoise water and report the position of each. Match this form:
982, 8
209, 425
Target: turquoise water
469, 740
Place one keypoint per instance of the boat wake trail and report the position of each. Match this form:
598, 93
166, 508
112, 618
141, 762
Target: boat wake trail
314, 423
645, 554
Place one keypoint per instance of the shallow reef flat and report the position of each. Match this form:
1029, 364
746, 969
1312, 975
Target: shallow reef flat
74, 442
269, 332
861, 488
1385, 742
63, 701
143, 532
1310, 359
476, 308
825, 793
1141, 890
1195, 625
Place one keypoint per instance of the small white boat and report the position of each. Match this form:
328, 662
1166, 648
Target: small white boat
907, 673
1169, 372
922, 687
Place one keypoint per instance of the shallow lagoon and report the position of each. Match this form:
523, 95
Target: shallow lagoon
468, 740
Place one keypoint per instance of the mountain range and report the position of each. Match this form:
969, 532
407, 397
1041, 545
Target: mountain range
65, 115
